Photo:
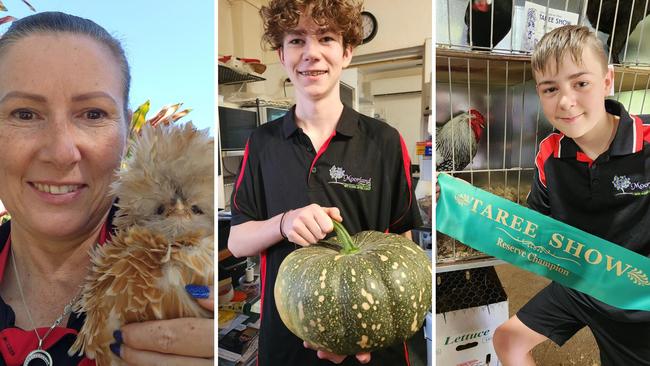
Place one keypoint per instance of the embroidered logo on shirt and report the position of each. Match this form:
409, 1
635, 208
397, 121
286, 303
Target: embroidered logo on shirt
348, 181
625, 186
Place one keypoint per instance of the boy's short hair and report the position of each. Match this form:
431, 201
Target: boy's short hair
569, 38
340, 16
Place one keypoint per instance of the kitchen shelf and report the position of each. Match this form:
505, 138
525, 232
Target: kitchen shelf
229, 76
513, 69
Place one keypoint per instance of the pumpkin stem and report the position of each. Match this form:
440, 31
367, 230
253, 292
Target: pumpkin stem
344, 238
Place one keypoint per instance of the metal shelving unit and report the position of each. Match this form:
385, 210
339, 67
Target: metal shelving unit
228, 76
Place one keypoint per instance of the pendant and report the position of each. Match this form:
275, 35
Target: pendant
38, 354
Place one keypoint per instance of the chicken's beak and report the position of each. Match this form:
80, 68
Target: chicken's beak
179, 209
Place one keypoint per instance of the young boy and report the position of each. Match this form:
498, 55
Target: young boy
597, 141
284, 195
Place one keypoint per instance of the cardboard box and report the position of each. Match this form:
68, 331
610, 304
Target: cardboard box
464, 337
428, 335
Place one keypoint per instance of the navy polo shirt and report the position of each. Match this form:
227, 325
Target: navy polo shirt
608, 197
16, 343
363, 169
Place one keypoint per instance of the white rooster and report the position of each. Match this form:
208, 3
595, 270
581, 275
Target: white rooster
461, 136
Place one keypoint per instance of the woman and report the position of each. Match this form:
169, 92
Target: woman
64, 89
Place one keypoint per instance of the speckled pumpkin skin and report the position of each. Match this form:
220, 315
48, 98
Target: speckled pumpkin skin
360, 302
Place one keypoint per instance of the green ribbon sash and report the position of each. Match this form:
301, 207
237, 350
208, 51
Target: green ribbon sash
543, 245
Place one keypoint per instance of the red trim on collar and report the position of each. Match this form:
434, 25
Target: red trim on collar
103, 234
263, 275
584, 158
549, 146
87, 362
320, 152
4, 256
241, 174
16, 343
638, 133
406, 354
642, 133
406, 162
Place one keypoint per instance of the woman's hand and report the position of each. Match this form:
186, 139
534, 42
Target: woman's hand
183, 341
309, 224
362, 357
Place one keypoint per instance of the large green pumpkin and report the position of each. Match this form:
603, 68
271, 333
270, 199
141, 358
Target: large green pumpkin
355, 294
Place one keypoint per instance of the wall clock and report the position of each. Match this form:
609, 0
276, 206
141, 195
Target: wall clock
369, 25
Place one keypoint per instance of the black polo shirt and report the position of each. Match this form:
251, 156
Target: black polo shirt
363, 169
608, 197
16, 343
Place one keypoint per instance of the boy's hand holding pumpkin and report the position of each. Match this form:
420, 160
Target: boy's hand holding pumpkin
362, 357
309, 224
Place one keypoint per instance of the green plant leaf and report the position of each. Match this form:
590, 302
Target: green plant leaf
139, 117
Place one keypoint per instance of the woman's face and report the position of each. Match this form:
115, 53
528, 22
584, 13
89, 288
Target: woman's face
62, 132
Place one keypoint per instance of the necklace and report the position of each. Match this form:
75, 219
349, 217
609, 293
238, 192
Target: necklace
39, 353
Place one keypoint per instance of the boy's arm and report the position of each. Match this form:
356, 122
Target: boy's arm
538, 197
252, 237
303, 226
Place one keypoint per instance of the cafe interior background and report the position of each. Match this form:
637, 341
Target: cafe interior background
389, 78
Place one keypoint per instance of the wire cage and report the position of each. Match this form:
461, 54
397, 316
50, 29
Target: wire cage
494, 77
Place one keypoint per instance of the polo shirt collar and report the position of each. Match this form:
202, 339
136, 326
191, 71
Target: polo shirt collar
347, 125
629, 131
625, 141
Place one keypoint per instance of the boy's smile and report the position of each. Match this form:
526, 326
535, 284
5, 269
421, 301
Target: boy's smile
573, 98
314, 58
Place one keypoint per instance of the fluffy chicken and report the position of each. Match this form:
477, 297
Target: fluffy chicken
482, 21
461, 136
164, 239
616, 41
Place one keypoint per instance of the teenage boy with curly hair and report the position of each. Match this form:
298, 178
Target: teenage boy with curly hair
284, 196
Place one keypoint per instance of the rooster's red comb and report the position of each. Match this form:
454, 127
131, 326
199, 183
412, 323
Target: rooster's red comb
476, 114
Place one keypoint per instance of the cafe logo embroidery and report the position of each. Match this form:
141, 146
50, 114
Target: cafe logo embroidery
625, 186
348, 181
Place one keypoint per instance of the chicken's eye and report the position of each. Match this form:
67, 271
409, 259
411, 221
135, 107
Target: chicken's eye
160, 210
196, 210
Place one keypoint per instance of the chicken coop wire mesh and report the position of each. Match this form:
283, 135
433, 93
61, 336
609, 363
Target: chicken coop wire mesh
504, 25
495, 78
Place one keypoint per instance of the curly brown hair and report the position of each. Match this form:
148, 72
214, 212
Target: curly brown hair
341, 16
